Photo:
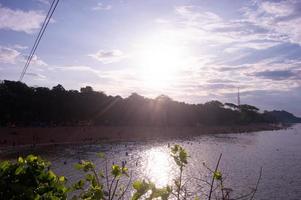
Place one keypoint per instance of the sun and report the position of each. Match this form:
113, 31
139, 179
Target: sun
159, 62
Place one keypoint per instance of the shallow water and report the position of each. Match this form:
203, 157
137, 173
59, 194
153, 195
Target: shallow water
278, 152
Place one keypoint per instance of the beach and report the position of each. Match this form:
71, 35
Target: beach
20, 136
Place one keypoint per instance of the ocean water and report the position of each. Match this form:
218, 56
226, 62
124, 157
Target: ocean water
277, 152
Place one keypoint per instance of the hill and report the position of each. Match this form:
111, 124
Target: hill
282, 116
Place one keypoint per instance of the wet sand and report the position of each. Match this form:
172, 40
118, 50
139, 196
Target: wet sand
91, 134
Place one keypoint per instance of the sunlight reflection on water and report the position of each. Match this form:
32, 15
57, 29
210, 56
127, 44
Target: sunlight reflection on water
158, 166
243, 156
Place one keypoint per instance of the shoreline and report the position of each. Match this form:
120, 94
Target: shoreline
38, 136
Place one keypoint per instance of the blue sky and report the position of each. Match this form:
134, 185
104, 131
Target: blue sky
192, 51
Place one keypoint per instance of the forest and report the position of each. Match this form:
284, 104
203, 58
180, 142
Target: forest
21, 105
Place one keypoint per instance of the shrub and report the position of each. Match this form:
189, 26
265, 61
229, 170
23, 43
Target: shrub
30, 178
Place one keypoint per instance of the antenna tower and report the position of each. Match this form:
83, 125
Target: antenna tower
238, 97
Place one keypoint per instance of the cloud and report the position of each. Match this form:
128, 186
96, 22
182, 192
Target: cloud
46, 2
19, 20
277, 74
278, 9
79, 68
107, 57
260, 25
101, 6
8, 55
246, 48
36, 75
279, 19
38, 61
18, 46
12, 55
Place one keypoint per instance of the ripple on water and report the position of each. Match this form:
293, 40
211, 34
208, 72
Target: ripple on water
278, 152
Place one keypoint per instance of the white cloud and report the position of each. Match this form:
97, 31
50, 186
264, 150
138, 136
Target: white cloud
194, 13
19, 20
38, 61
270, 23
279, 19
278, 9
13, 55
79, 68
46, 2
18, 46
36, 75
107, 57
8, 55
101, 6
235, 48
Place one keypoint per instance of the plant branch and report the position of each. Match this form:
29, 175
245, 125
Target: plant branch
213, 177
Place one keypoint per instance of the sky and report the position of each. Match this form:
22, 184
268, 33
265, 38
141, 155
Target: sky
193, 51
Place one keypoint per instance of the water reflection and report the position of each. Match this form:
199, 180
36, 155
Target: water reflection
278, 152
158, 166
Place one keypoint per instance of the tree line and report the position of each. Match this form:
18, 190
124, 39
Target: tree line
21, 105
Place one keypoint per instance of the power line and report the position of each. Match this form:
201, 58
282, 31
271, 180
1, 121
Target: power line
38, 39
35, 43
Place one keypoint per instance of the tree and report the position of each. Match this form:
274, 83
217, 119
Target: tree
250, 108
58, 88
87, 89
21, 105
232, 106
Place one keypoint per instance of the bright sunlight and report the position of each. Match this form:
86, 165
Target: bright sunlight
159, 61
158, 166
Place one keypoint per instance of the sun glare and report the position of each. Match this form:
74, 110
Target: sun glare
158, 166
158, 62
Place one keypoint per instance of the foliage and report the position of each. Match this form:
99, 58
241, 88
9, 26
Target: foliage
149, 191
180, 157
30, 178
21, 105
98, 184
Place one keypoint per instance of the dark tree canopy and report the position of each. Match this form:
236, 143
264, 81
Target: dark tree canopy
21, 105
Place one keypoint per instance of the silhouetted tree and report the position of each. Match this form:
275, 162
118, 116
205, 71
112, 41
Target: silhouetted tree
21, 105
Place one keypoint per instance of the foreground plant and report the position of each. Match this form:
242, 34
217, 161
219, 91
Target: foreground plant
99, 184
30, 178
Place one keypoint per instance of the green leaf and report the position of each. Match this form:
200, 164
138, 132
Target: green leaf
31, 158
20, 160
137, 185
116, 170
19, 170
51, 175
89, 177
62, 179
78, 185
101, 155
4, 165
79, 166
217, 175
